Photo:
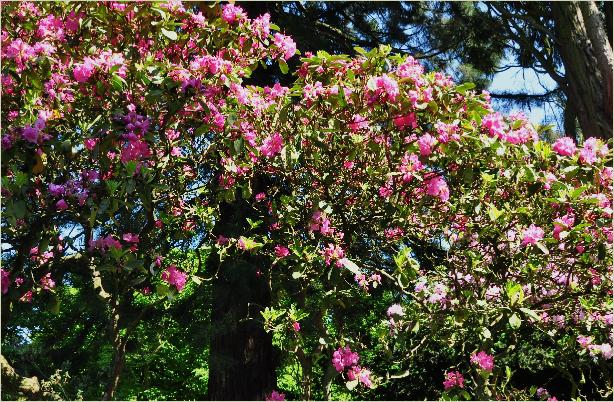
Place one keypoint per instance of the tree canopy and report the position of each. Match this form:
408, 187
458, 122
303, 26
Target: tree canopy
173, 228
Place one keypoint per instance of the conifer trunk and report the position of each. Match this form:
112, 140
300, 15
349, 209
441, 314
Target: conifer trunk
241, 364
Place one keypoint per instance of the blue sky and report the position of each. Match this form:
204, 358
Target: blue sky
526, 80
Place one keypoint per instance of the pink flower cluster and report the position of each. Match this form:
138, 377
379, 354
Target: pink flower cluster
175, 277
408, 120
497, 127
276, 396
426, 143
604, 349
46, 282
363, 281
532, 235
5, 281
437, 187
105, 243
281, 251
344, 357
565, 146
453, 379
386, 89
332, 253
285, 44
395, 309
410, 163
485, 361
319, 222
360, 373
272, 145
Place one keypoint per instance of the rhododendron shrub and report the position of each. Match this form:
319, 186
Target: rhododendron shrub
119, 144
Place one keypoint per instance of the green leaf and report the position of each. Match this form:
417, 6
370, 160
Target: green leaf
542, 247
296, 274
283, 66
351, 384
172, 35
514, 292
493, 212
530, 313
515, 321
350, 266
465, 87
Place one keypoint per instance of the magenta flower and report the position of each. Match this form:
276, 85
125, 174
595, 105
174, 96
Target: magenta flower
30, 134
276, 396
83, 72
344, 357
272, 145
130, 238
532, 235
565, 146
285, 44
61, 205
437, 187
5, 281
232, 13
454, 379
425, 143
175, 277
395, 309
484, 360
281, 251
46, 282
56, 190
296, 326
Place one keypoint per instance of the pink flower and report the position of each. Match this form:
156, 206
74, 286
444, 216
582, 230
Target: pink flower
364, 378
395, 309
46, 282
232, 14
82, 72
565, 146
27, 297
30, 134
285, 44
260, 196
56, 190
175, 277
281, 251
296, 326
409, 120
130, 238
384, 87
561, 224
437, 187
425, 143
61, 205
272, 145
592, 150
276, 396
532, 235
332, 252
344, 358
454, 379
222, 240
495, 125
358, 123
5, 281
484, 360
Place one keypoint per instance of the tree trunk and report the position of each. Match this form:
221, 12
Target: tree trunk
588, 66
119, 355
241, 357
